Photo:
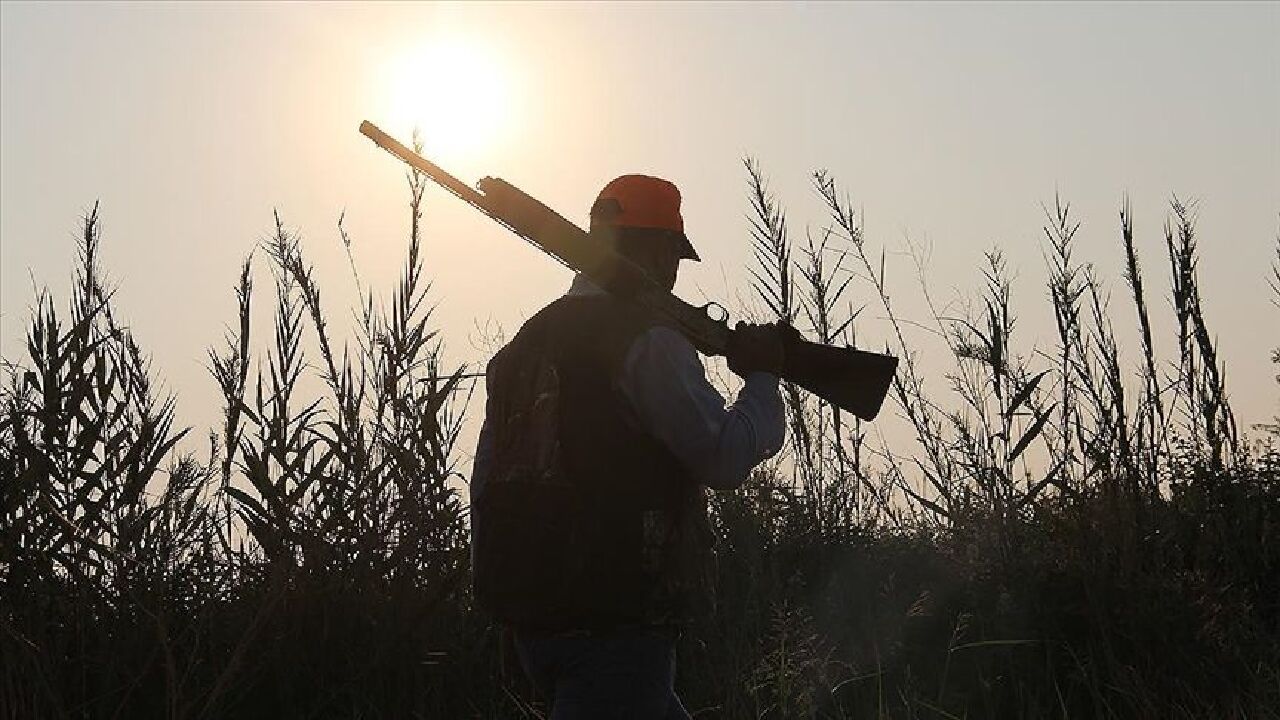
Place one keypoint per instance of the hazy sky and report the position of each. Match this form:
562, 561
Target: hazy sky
951, 125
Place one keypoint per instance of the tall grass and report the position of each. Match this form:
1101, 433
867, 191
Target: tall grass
1104, 578
313, 561
1061, 537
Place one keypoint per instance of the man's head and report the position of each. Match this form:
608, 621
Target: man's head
640, 216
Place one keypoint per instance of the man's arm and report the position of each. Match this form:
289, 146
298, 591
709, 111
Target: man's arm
665, 382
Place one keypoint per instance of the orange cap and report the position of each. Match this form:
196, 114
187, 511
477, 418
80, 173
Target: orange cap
642, 201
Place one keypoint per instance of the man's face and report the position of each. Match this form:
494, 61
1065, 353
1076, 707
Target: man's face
656, 251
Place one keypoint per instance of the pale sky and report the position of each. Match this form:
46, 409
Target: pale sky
949, 124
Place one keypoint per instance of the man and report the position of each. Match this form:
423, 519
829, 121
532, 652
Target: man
601, 432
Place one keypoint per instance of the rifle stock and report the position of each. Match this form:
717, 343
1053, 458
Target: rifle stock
850, 379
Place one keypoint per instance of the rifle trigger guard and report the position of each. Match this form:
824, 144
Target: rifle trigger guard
716, 312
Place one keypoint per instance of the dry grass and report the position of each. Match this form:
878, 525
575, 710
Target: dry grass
313, 562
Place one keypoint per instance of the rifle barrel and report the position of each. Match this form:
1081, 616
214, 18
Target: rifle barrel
851, 379
435, 172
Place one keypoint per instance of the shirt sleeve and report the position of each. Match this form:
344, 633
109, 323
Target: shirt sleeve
667, 386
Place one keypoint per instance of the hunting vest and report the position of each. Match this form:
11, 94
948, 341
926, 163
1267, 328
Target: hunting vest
586, 520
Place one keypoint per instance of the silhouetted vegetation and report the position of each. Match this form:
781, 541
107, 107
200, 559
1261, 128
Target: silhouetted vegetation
1063, 539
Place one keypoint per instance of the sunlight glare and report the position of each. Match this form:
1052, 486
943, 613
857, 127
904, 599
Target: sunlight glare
455, 91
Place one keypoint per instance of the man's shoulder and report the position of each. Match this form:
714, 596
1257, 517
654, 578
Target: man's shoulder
541, 321
592, 323
661, 354
665, 339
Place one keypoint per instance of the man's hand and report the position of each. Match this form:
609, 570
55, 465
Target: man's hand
757, 348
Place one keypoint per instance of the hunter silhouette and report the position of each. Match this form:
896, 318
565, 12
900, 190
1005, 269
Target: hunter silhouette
601, 433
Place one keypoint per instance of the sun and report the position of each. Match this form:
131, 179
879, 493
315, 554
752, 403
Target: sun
453, 90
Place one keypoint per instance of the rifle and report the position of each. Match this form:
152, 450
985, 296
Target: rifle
850, 379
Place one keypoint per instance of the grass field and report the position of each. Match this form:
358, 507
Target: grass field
313, 561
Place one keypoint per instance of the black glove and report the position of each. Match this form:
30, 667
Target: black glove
757, 348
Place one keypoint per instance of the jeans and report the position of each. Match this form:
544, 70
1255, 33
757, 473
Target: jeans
623, 674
